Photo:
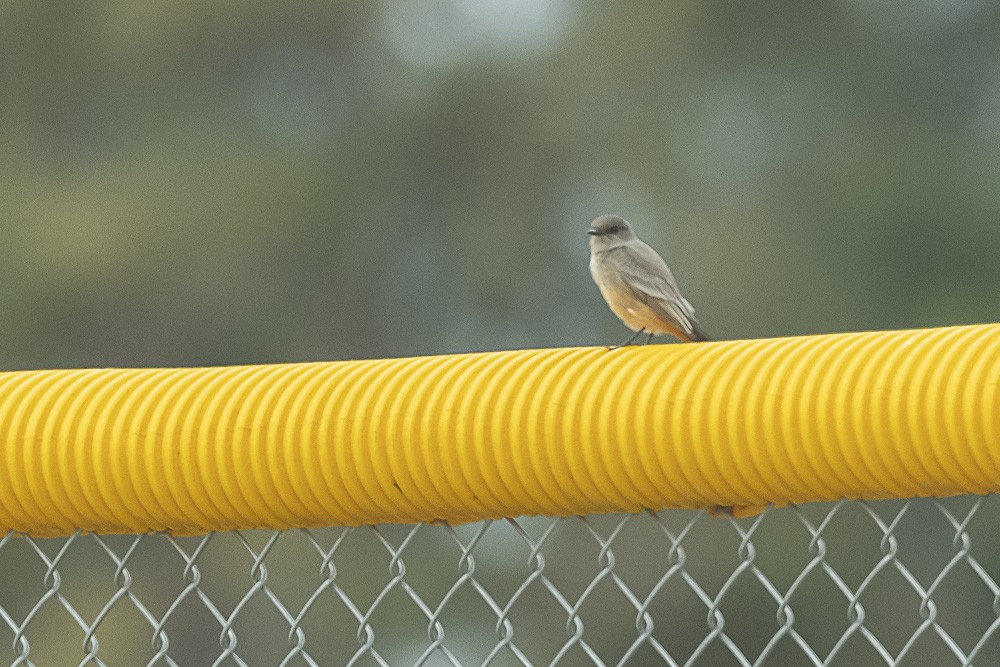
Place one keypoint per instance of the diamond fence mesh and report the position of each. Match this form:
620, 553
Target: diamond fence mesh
890, 582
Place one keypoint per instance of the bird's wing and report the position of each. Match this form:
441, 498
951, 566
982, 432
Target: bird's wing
647, 276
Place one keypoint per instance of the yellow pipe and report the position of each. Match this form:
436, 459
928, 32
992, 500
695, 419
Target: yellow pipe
466, 437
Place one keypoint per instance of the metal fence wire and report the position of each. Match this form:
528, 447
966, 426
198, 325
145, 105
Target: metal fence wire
852, 583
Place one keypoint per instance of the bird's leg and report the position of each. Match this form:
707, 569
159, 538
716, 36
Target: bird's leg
650, 339
629, 341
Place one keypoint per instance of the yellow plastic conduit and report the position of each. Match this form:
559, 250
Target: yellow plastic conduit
465, 437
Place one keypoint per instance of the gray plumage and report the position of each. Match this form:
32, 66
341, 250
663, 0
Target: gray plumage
636, 283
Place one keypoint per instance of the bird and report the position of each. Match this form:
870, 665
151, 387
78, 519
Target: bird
637, 285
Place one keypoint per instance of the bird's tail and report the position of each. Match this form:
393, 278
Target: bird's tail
698, 334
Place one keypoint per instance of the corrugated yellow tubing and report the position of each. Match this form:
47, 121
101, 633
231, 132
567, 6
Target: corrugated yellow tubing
474, 436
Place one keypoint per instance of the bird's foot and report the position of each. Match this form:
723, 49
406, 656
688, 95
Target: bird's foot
630, 341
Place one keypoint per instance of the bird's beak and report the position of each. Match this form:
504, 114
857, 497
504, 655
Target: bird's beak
594, 232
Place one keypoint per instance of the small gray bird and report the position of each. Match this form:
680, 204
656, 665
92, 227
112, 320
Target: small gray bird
637, 284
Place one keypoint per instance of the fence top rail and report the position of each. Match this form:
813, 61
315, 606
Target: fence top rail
458, 438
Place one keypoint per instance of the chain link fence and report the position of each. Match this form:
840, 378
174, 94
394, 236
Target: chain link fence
891, 582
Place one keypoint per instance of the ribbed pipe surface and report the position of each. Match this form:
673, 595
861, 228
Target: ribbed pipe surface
475, 436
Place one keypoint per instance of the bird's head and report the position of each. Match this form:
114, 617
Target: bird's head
608, 231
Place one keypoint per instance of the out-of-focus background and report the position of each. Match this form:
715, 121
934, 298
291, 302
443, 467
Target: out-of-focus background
192, 183
214, 183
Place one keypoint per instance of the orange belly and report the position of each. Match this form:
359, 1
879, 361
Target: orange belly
636, 315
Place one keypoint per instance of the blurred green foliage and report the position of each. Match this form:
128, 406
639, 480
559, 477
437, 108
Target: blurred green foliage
199, 183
